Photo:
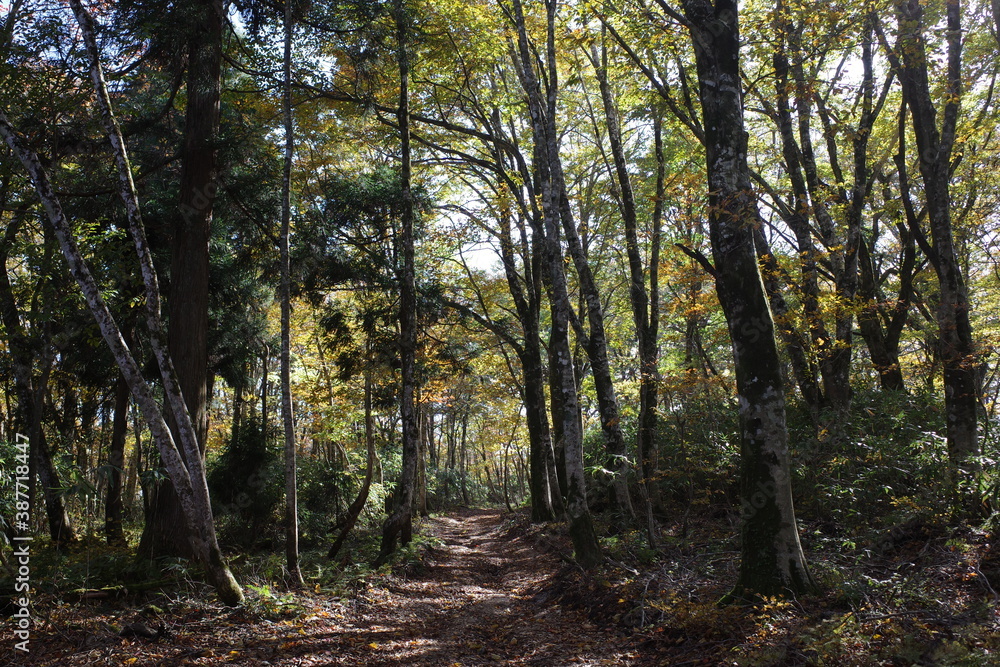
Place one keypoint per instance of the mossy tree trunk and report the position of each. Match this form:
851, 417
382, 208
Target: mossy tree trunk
771, 558
934, 144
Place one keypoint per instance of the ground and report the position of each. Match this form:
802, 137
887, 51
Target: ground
484, 587
482, 596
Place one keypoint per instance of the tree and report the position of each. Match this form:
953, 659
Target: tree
189, 475
399, 523
565, 399
203, 22
771, 558
287, 418
645, 304
956, 346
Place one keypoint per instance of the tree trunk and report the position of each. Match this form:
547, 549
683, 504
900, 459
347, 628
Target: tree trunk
772, 562
187, 337
804, 367
354, 511
423, 441
956, 346
399, 524
463, 472
527, 301
883, 342
645, 310
265, 388
113, 532
60, 529
565, 396
539, 436
287, 417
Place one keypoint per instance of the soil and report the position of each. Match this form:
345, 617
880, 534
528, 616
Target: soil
490, 593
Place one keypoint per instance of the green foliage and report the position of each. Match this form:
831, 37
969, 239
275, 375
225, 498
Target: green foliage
246, 483
698, 446
350, 232
261, 601
324, 489
890, 466
444, 488
93, 564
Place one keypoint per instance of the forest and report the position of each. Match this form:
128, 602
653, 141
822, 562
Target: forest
473, 332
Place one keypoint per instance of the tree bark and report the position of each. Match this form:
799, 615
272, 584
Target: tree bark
113, 506
399, 524
883, 342
956, 346
565, 397
645, 306
772, 562
354, 511
187, 336
287, 416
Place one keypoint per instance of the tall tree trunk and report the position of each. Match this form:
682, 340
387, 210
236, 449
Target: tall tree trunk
837, 364
525, 288
463, 472
557, 398
287, 417
187, 337
565, 396
132, 483
772, 562
265, 388
956, 346
819, 342
645, 311
595, 342
423, 441
399, 524
113, 506
539, 436
238, 405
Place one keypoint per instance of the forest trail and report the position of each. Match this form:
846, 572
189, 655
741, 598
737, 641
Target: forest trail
484, 596
480, 600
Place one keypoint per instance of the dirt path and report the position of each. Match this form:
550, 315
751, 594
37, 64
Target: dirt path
483, 597
480, 601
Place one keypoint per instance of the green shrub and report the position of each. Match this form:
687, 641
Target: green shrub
246, 483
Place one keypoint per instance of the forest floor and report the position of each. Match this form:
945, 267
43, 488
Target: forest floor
481, 596
484, 587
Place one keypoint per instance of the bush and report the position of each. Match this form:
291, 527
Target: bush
891, 464
246, 483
